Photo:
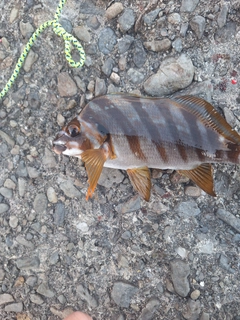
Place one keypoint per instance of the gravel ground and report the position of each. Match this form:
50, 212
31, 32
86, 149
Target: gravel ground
115, 256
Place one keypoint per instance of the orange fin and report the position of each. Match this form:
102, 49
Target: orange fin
209, 116
94, 160
141, 181
202, 176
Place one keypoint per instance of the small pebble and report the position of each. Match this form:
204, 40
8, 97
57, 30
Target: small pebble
13, 222
51, 195
195, 294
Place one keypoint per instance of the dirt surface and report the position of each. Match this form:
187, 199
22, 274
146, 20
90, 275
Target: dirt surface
115, 256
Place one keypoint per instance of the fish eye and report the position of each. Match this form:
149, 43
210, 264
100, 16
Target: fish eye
73, 130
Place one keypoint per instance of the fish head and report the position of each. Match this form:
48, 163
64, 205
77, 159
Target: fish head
71, 140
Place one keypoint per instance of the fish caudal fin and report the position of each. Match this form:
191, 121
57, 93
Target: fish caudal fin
202, 176
141, 181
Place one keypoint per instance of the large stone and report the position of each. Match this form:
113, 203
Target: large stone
66, 86
122, 293
174, 74
179, 272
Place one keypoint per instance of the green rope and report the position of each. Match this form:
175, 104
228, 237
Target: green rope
60, 31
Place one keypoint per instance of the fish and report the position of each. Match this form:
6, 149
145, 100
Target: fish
133, 133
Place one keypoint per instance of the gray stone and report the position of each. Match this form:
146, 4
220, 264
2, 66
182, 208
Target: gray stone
127, 20
7, 138
193, 310
82, 226
14, 307
109, 177
150, 310
174, 18
139, 54
189, 5
151, 16
125, 43
100, 87
28, 263
82, 34
4, 207
13, 14
229, 218
66, 86
45, 291
21, 240
10, 184
108, 66
158, 45
31, 281
2, 274
31, 58
173, 74
51, 195
198, 26
40, 203
177, 44
86, 296
122, 293
6, 298
187, 209
21, 186
135, 76
224, 263
107, 40
131, 205
69, 190
54, 258
6, 193
49, 160
222, 17
32, 172
179, 272
183, 30
59, 214
93, 22
26, 29
21, 170
35, 298
114, 10
80, 83
66, 24
205, 316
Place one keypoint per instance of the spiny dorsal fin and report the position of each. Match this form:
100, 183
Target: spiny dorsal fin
209, 116
202, 176
141, 181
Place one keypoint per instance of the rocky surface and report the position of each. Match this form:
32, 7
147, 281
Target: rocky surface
115, 256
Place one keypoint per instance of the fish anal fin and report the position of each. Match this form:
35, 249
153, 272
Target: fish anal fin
141, 181
202, 176
209, 116
94, 160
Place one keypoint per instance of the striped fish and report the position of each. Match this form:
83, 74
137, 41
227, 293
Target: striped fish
137, 133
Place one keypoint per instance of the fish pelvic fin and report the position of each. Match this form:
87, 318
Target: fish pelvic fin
94, 160
141, 181
202, 176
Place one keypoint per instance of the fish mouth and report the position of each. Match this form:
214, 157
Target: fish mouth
58, 148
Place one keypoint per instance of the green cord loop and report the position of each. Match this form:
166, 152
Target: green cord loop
60, 31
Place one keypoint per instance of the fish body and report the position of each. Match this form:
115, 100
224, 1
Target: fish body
136, 133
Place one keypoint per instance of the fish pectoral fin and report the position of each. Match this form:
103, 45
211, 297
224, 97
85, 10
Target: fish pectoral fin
141, 181
202, 176
94, 160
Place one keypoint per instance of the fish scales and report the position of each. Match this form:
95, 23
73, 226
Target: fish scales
154, 132
136, 133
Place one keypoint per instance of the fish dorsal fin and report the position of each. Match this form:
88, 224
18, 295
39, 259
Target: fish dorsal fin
94, 160
202, 176
209, 116
141, 181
